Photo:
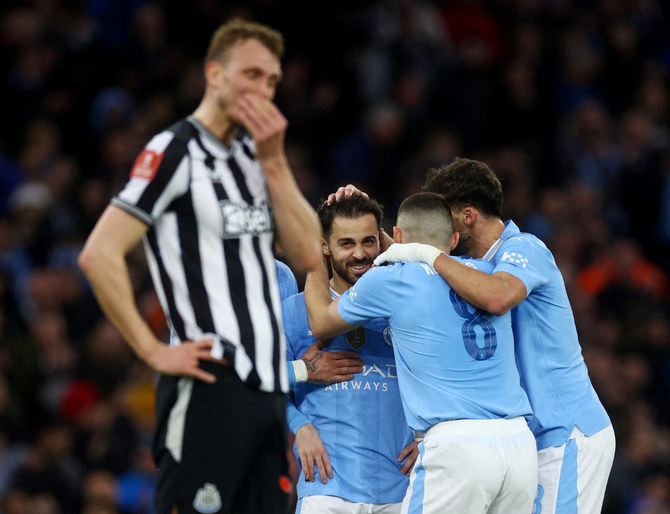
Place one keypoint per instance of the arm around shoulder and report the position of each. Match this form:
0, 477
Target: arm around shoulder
497, 293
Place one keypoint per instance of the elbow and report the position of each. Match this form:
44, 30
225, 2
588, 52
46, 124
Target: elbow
498, 306
310, 258
84, 261
317, 331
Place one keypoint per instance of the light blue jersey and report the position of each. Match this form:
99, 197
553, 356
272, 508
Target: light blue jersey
454, 361
360, 422
548, 353
288, 285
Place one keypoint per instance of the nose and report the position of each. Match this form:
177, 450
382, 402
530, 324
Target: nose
359, 253
266, 90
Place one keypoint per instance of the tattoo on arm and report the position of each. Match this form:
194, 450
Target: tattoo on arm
311, 362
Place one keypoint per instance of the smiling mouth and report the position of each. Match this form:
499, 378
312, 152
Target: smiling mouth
360, 267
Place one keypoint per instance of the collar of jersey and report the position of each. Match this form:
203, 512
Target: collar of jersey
333, 294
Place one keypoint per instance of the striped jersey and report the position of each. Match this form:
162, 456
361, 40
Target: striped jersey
209, 246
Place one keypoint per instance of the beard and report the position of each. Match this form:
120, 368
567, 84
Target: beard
343, 270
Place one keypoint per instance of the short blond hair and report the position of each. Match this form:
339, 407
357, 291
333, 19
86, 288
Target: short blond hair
237, 30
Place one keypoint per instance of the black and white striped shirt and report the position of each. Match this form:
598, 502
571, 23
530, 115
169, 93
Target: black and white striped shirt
209, 246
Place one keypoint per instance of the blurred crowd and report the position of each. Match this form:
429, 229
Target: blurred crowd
567, 100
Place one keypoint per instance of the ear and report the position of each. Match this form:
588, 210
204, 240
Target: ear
469, 216
212, 71
397, 234
324, 247
455, 236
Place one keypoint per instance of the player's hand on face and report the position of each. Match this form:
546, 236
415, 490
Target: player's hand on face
330, 367
184, 359
312, 452
266, 124
410, 453
345, 192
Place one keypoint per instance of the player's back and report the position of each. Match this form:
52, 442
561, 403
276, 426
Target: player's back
361, 422
454, 361
549, 356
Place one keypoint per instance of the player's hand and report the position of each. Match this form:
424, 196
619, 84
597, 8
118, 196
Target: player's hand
312, 452
385, 241
330, 367
184, 359
345, 192
411, 453
266, 124
409, 252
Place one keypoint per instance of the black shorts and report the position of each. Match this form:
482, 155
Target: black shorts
220, 448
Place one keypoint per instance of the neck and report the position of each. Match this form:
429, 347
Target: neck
216, 121
338, 284
486, 234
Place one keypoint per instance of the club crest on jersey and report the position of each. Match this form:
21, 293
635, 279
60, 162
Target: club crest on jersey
356, 338
207, 499
240, 218
146, 165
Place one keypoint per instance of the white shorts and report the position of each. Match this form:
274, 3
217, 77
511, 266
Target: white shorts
572, 478
474, 466
318, 504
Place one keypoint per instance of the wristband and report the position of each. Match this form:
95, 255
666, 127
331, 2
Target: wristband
300, 370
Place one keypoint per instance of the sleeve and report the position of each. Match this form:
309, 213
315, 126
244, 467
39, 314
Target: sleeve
288, 285
159, 175
523, 259
294, 418
370, 297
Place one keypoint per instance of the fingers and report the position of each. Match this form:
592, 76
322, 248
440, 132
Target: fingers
346, 354
322, 470
345, 192
307, 467
203, 375
260, 117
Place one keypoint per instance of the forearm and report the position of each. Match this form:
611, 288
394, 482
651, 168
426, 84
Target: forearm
111, 284
487, 292
322, 314
295, 419
298, 228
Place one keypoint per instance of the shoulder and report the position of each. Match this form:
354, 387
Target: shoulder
478, 264
294, 302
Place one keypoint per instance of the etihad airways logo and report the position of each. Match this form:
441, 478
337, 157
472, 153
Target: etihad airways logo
240, 218
371, 372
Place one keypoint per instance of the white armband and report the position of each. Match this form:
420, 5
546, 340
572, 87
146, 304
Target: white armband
300, 370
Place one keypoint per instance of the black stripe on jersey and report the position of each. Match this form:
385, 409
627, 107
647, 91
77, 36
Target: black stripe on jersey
187, 228
248, 151
176, 321
246, 194
173, 155
236, 282
209, 158
240, 180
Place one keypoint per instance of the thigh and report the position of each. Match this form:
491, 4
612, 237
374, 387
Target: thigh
454, 475
573, 477
211, 439
595, 456
267, 485
520, 484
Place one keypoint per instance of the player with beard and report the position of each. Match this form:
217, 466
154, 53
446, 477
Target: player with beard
352, 437
574, 434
